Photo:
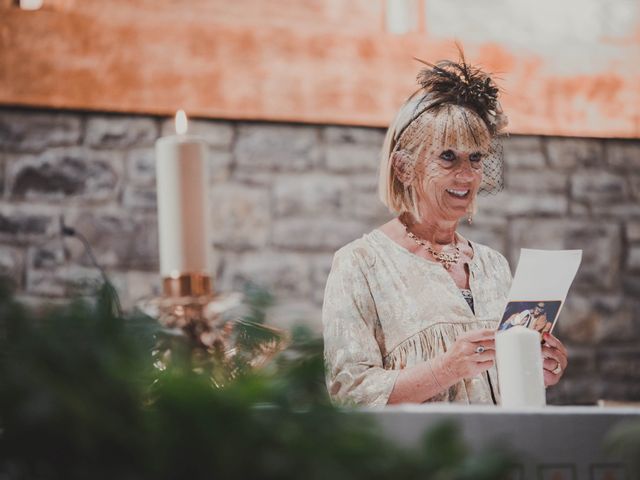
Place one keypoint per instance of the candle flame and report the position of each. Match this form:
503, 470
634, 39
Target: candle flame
181, 122
31, 4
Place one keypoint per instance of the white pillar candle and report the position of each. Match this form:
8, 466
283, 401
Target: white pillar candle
182, 178
519, 362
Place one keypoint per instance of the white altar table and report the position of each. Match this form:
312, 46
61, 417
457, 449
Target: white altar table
559, 443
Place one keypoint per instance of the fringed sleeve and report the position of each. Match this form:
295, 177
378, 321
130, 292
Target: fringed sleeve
353, 359
430, 342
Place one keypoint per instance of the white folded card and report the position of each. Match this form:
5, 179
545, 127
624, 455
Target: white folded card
539, 288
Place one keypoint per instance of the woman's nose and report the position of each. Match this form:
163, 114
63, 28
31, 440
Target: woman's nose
465, 171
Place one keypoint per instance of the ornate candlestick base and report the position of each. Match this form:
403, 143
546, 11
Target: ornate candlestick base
187, 284
212, 327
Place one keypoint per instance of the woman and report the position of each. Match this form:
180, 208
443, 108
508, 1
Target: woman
411, 308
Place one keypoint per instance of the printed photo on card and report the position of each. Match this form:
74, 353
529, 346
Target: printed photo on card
539, 288
535, 315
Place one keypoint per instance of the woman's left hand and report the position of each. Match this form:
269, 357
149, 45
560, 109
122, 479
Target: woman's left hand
554, 358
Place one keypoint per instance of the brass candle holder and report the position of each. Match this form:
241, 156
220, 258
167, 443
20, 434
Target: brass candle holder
189, 284
213, 327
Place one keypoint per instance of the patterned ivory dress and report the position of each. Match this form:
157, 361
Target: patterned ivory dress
386, 308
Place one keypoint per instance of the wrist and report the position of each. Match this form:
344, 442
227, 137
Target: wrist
441, 373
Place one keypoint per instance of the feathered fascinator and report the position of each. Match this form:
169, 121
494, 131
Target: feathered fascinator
458, 83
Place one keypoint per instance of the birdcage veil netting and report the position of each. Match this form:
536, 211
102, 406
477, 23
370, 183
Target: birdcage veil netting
456, 109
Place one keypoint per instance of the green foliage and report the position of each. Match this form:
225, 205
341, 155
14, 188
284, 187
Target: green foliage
80, 399
624, 441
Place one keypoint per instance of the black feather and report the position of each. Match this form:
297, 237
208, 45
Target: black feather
458, 83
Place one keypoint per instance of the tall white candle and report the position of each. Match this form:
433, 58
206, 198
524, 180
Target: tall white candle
519, 362
182, 177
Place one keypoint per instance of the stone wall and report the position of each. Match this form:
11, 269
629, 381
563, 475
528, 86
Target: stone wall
285, 197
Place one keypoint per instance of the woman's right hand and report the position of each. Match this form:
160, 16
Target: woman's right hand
461, 360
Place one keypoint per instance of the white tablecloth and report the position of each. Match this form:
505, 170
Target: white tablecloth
554, 442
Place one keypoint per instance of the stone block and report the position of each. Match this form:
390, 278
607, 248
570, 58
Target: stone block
358, 135
143, 284
600, 242
494, 236
582, 362
585, 390
632, 229
634, 182
484, 219
133, 287
623, 154
25, 131
346, 157
569, 153
317, 234
578, 322
365, 206
523, 152
597, 318
64, 281
513, 204
320, 268
620, 364
277, 147
39, 303
220, 162
364, 183
118, 131
280, 273
598, 186
289, 313
617, 327
47, 256
216, 133
119, 240
18, 225
2, 173
633, 257
241, 216
627, 210
65, 173
140, 198
308, 194
12, 265
536, 181
631, 284
620, 390
141, 166
253, 178
577, 209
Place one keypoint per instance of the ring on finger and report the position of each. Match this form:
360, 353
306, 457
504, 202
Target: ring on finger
557, 370
480, 349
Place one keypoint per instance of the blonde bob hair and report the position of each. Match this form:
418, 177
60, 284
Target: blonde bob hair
446, 126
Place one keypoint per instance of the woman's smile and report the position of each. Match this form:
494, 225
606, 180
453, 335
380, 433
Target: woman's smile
456, 193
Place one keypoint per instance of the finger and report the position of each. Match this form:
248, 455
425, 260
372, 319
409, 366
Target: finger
554, 342
555, 354
550, 379
471, 348
484, 366
548, 352
484, 356
480, 335
550, 364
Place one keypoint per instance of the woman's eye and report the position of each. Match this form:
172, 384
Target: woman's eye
448, 156
475, 157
